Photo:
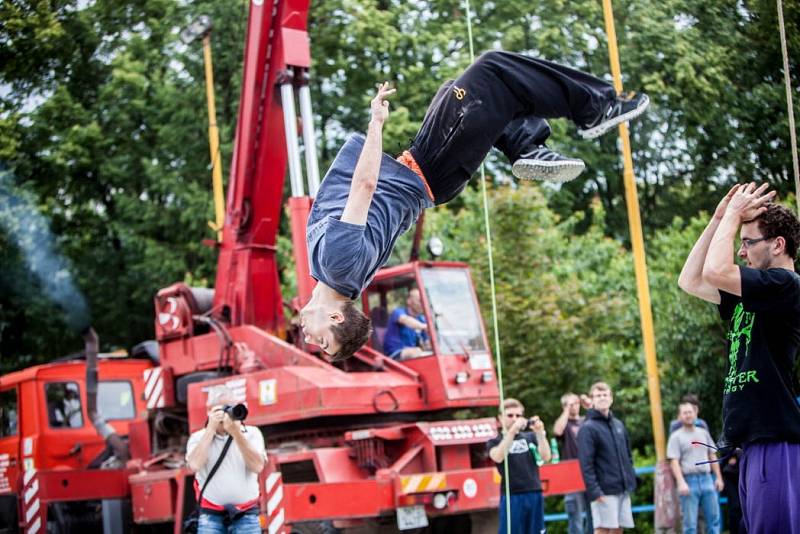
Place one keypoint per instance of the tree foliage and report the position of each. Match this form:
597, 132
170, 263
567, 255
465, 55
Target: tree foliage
103, 126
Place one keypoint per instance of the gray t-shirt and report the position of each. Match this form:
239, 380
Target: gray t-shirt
346, 256
680, 447
233, 483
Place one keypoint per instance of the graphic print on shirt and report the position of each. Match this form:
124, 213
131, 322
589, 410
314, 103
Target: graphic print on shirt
740, 330
518, 446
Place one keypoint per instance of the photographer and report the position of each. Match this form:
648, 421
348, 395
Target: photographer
525, 450
230, 500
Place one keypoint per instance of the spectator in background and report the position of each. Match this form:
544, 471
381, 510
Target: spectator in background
689, 460
406, 329
579, 519
524, 451
692, 399
606, 463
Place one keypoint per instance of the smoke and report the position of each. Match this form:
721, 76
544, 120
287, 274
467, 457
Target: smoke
30, 232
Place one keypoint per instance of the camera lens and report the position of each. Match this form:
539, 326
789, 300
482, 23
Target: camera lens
237, 412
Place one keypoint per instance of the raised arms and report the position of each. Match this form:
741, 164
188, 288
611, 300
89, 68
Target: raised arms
365, 176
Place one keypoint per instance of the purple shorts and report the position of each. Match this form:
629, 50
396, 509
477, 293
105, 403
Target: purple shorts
769, 488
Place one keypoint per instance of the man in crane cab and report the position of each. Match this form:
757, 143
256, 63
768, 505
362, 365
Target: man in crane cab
368, 199
406, 329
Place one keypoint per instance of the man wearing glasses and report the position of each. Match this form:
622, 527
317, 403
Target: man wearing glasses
525, 452
761, 300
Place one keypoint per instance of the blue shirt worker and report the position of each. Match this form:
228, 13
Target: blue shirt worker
407, 329
368, 199
524, 451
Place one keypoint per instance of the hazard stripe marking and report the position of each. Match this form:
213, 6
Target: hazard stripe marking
275, 500
276, 524
420, 483
32, 511
271, 480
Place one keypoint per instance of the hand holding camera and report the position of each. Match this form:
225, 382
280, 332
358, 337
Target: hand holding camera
229, 416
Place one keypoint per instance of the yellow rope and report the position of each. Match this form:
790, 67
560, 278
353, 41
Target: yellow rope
499, 360
786, 76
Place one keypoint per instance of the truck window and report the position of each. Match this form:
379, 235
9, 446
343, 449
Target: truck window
115, 400
64, 404
456, 319
8, 413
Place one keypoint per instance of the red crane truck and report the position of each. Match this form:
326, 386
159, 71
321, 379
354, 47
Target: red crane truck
366, 445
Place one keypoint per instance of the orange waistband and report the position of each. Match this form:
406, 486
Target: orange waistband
408, 160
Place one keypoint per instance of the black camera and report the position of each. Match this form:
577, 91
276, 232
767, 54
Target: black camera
237, 412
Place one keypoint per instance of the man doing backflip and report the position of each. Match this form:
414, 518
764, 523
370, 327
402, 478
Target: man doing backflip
761, 301
368, 199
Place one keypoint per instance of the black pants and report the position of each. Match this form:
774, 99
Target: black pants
501, 100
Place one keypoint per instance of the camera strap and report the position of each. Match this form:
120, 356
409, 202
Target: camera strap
214, 469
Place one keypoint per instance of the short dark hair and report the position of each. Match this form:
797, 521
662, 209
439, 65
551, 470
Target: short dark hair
691, 398
352, 333
779, 221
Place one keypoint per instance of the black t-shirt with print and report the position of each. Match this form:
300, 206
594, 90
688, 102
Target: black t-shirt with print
522, 468
760, 393
569, 447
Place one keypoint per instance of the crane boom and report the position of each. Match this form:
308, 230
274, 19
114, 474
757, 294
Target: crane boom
276, 54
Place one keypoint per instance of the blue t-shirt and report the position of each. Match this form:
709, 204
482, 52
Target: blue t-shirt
346, 256
399, 336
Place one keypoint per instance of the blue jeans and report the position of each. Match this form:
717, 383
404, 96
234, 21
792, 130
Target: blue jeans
702, 493
527, 513
579, 517
213, 524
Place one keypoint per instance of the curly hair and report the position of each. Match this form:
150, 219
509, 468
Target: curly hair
779, 221
352, 333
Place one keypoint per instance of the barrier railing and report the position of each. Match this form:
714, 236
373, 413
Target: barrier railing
637, 509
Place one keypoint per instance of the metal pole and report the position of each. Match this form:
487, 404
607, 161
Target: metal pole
789, 104
637, 241
213, 141
292, 145
309, 140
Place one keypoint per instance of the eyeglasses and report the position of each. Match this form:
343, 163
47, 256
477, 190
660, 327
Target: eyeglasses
747, 242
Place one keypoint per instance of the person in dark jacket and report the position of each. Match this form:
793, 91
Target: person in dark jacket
604, 451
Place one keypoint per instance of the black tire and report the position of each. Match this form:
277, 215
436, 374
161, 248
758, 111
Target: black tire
315, 527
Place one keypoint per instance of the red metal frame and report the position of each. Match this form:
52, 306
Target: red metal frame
247, 285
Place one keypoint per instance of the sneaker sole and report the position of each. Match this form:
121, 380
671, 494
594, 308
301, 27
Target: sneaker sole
603, 127
551, 171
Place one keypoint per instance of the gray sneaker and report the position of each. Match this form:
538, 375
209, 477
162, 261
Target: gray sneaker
623, 108
541, 163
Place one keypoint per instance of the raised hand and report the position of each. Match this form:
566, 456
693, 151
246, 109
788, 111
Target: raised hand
379, 105
231, 426
723, 204
519, 424
537, 425
214, 418
749, 201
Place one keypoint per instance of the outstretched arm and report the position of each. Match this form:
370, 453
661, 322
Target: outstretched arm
412, 323
719, 270
691, 278
365, 176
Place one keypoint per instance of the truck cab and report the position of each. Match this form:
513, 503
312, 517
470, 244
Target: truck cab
45, 426
454, 359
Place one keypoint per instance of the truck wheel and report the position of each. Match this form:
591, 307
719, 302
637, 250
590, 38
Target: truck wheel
315, 527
